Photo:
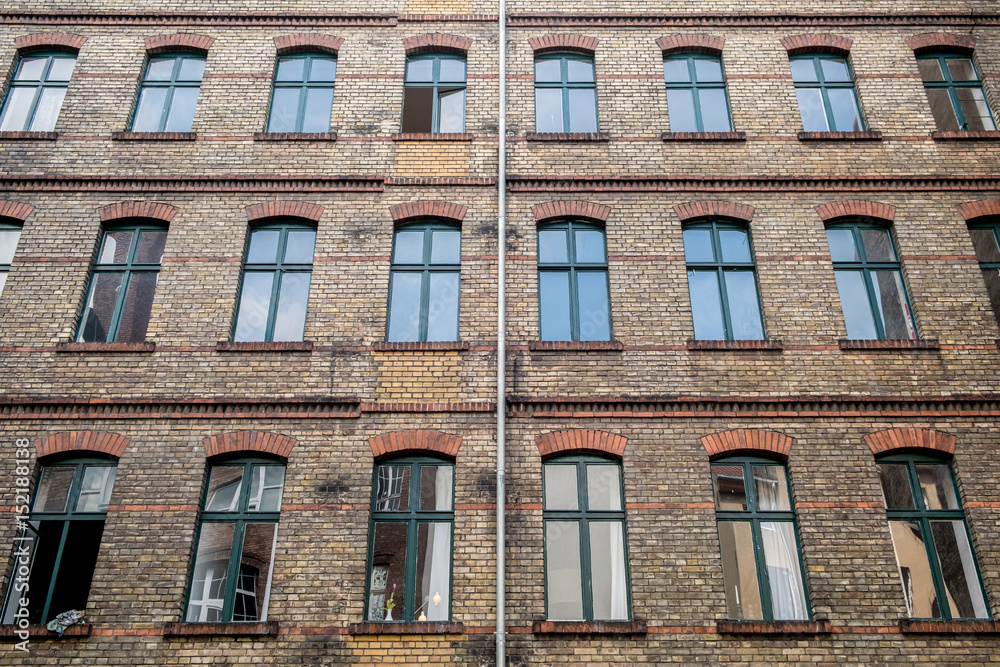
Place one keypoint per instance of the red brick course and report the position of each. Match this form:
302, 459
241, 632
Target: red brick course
747, 440
436, 42
691, 43
709, 209
249, 441
853, 207
137, 209
82, 441
415, 210
556, 210
44, 41
284, 208
181, 41
910, 438
573, 43
307, 42
579, 441
414, 441
797, 44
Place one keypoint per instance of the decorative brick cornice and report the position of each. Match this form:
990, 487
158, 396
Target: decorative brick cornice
691, 43
578, 440
249, 441
561, 210
711, 209
111, 444
15, 209
572, 43
414, 441
45, 41
746, 440
416, 210
941, 41
910, 438
797, 44
307, 42
284, 208
436, 42
979, 209
856, 207
181, 41
137, 209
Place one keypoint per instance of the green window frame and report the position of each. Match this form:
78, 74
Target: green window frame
574, 300
237, 535
586, 541
61, 538
123, 284
424, 283
410, 541
955, 92
722, 281
169, 92
937, 563
986, 241
36, 92
10, 234
697, 100
762, 564
302, 94
434, 93
870, 281
565, 93
824, 87
274, 287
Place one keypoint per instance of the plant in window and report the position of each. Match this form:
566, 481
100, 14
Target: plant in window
169, 93
302, 98
36, 92
955, 92
758, 537
986, 240
62, 536
565, 93
573, 292
696, 93
9, 236
122, 284
434, 93
424, 284
825, 91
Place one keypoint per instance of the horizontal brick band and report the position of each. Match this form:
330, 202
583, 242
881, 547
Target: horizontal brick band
979, 209
15, 209
891, 344
774, 627
856, 207
966, 135
704, 136
941, 41
636, 627
137, 209
710, 209
568, 136
181, 41
294, 136
432, 346
572, 43
262, 629
769, 344
154, 136
840, 136
46, 41
249, 441
432, 136
576, 346
747, 440
691, 44
967, 627
9, 632
416, 210
578, 440
418, 628
104, 442
265, 346
284, 208
797, 44
910, 438
414, 441
28, 136
436, 42
307, 42
584, 210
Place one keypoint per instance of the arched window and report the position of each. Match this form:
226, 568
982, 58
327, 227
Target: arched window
986, 240
825, 91
955, 92
434, 93
573, 291
36, 92
696, 93
169, 93
302, 98
565, 93
424, 282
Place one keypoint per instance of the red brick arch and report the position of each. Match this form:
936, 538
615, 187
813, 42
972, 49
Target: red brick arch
856, 207
15, 209
436, 42
45, 41
797, 44
747, 440
416, 441
572, 43
284, 208
236, 442
941, 41
307, 42
137, 209
979, 209
910, 438
416, 210
581, 441
691, 43
710, 209
111, 444
561, 210
181, 41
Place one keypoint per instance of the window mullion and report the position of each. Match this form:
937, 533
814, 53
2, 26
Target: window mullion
873, 303
116, 316
435, 103
300, 109
763, 579
233, 570
586, 576
409, 573
272, 309
55, 568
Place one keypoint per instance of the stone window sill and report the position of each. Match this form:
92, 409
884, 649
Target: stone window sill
106, 347
294, 136
30, 136
568, 136
420, 347
417, 628
897, 344
431, 136
9, 632
840, 136
773, 627
264, 629
704, 136
931, 627
269, 346
770, 344
576, 345
636, 627
154, 136
974, 135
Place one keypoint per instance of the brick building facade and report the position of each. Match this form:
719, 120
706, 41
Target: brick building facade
716, 469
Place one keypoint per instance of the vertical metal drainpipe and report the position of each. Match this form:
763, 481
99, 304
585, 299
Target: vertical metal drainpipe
501, 497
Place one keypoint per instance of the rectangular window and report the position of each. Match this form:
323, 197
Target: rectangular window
424, 284
565, 94
434, 94
169, 93
696, 93
302, 98
36, 92
825, 91
955, 92
573, 292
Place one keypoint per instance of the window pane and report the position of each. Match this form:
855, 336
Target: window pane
452, 70
804, 70
846, 116
446, 247
323, 70
735, 245
835, 70
319, 105
255, 304
30, 546
45, 549
451, 113
389, 552
744, 306
680, 109
579, 71
895, 486
284, 109
160, 69
937, 487
149, 250
958, 569
878, 245
563, 580
392, 493
983, 240
930, 69
420, 70
436, 487
944, 112
293, 297
842, 246
137, 307
8, 244
99, 313
771, 486
739, 570
707, 71
3, 280
560, 487
730, 488
31, 69
781, 554
53, 489
442, 307
47, 110
208, 586
706, 305
961, 69
290, 69
698, 245
607, 566
376, 592
149, 111
433, 572
589, 246
62, 69
263, 246
409, 248
224, 483
116, 246
76, 569
915, 570
266, 484
552, 247
992, 278
811, 108
192, 69
974, 108
547, 71
182, 110
15, 114
548, 110
595, 315
714, 110
299, 245
676, 71
892, 307
256, 556
604, 491
857, 308
553, 298
404, 307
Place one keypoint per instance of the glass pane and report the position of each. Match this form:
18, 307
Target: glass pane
61, 69
392, 491
914, 569
895, 486
878, 245
548, 110
707, 71
263, 246
680, 109
676, 71
706, 305
250, 603
714, 110
29, 547
452, 70
812, 110
192, 69
404, 307
739, 570
937, 487
47, 111
299, 245
846, 115
224, 483
160, 69
53, 489
560, 487
735, 245
319, 105
266, 484
293, 298
323, 70
137, 307
892, 307
31, 69
579, 71
208, 585
149, 110
730, 487
116, 246
446, 247
376, 592
771, 486
781, 555
582, 110
44, 549
992, 278
436, 487
552, 247
804, 70
98, 316
984, 241
182, 107
744, 306
609, 583
432, 577
589, 246
389, 554
604, 491
255, 304
595, 307
857, 308
930, 69
842, 246
409, 248
941, 107
8, 244
451, 113
442, 307
553, 305
290, 69
420, 70
15, 114
76, 569
698, 245
563, 579
149, 250
835, 70
958, 569
974, 108
961, 69
547, 71
284, 110
3, 280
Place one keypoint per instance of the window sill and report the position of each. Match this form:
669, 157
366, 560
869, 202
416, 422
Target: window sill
636, 627
154, 136
567, 136
420, 347
31, 136
840, 136
773, 627
704, 136
893, 344
268, 346
972, 135
415, 628
9, 632
265, 629
581, 345
931, 627
431, 136
294, 136
769, 344
106, 347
